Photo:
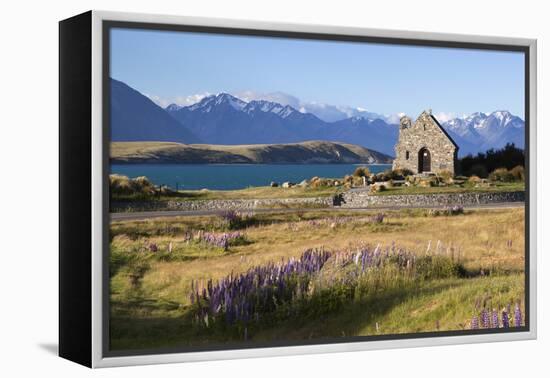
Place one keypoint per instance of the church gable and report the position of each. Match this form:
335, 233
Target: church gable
424, 146
428, 125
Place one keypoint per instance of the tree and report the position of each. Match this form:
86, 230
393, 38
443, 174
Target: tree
507, 157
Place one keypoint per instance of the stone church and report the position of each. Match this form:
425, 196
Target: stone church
424, 146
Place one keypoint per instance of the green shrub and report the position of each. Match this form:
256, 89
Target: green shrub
317, 182
501, 175
427, 182
398, 174
378, 188
435, 267
142, 185
446, 176
383, 176
401, 173
361, 172
474, 179
518, 172
122, 185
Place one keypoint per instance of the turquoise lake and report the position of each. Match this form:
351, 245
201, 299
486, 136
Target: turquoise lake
235, 176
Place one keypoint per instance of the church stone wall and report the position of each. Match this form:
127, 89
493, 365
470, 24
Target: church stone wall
424, 133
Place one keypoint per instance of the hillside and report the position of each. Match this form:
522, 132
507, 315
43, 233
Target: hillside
310, 152
134, 117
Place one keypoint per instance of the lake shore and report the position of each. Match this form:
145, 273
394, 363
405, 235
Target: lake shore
225, 177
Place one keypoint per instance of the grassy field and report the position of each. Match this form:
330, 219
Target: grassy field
260, 192
496, 187
266, 192
156, 264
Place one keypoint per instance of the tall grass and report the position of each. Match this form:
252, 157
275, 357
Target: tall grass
122, 185
318, 282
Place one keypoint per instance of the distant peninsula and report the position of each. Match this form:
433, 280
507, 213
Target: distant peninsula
310, 152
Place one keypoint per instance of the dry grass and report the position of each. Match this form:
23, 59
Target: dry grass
480, 239
262, 192
496, 187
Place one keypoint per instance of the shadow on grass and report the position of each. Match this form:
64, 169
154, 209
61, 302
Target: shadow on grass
141, 332
351, 316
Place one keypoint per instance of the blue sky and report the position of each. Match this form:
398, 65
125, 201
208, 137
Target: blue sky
388, 79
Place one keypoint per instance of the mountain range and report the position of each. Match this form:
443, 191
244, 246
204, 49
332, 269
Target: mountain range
224, 119
479, 132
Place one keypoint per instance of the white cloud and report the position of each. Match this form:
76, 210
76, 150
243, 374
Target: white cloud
329, 113
440, 116
394, 119
280, 97
178, 100
326, 112
445, 116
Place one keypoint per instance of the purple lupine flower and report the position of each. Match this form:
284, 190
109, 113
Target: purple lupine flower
494, 315
153, 247
378, 218
475, 322
220, 240
517, 316
239, 298
485, 319
505, 319
229, 215
242, 298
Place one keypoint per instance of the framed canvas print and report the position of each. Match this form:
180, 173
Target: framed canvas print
235, 189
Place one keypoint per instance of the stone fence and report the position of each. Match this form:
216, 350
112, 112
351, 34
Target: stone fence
354, 199
213, 205
351, 199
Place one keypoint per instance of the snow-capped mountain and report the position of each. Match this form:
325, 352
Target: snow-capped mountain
209, 103
228, 120
173, 107
268, 106
225, 119
480, 132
